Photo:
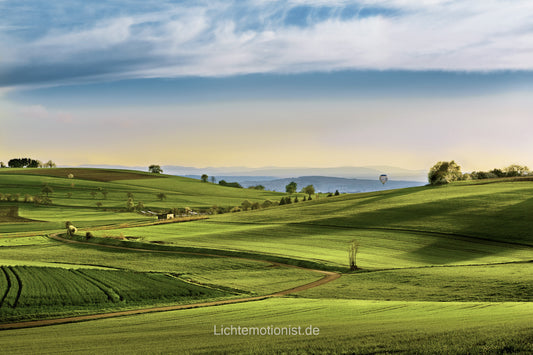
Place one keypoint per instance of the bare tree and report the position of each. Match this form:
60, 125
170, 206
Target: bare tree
352, 253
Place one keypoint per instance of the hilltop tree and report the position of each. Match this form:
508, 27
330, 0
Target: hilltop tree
2, 165
290, 188
444, 172
156, 169
337, 193
161, 196
213, 179
204, 177
49, 164
309, 190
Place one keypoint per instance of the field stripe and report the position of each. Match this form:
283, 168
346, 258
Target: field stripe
8, 285
19, 290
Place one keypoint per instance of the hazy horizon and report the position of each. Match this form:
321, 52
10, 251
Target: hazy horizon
257, 84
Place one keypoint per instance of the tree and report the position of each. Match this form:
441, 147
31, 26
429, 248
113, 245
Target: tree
47, 190
49, 164
98, 204
140, 206
337, 193
309, 190
129, 204
291, 187
257, 187
161, 196
444, 172
516, 170
282, 201
204, 178
156, 169
255, 206
246, 204
2, 165
296, 199
266, 204
129, 194
352, 253
213, 180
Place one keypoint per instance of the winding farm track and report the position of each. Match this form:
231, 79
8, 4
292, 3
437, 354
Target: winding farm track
328, 276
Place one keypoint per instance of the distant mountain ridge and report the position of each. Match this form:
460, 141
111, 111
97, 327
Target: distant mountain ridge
366, 172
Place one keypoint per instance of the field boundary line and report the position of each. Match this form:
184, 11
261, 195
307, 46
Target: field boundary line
328, 276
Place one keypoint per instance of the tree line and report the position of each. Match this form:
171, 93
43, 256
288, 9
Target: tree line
445, 172
27, 163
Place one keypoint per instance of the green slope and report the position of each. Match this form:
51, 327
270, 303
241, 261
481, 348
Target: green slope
456, 224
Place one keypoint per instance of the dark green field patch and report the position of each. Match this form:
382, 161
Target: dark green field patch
103, 175
28, 292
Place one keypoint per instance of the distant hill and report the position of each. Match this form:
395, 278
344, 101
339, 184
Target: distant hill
329, 184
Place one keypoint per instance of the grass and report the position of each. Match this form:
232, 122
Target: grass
345, 326
444, 269
483, 283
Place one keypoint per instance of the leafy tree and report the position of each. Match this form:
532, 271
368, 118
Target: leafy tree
2, 165
291, 187
309, 190
47, 190
444, 172
255, 206
288, 200
497, 172
246, 204
296, 199
204, 178
49, 164
282, 201
161, 196
34, 164
156, 169
337, 193
129, 204
213, 179
305, 198
516, 170
266, 204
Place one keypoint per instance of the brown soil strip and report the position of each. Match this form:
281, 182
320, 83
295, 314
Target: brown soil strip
328, 277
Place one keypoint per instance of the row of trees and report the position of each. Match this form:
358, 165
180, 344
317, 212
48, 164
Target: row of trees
445, 172
27, 163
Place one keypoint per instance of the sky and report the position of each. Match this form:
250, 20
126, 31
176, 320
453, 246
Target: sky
256, 83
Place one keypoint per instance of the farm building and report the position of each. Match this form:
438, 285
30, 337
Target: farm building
165, 216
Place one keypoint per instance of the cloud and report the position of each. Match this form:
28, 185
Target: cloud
220, 38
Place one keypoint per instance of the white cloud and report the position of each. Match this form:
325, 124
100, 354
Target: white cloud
220, 38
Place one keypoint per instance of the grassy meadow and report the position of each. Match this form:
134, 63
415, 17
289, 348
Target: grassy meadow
441, 269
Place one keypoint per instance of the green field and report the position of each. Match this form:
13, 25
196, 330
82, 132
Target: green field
442, 269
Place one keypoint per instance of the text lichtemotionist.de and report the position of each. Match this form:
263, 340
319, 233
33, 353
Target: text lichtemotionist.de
270, 330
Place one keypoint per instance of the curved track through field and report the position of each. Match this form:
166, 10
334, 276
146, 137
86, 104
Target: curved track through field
328, 276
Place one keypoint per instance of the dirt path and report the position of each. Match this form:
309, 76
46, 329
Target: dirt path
328, 277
